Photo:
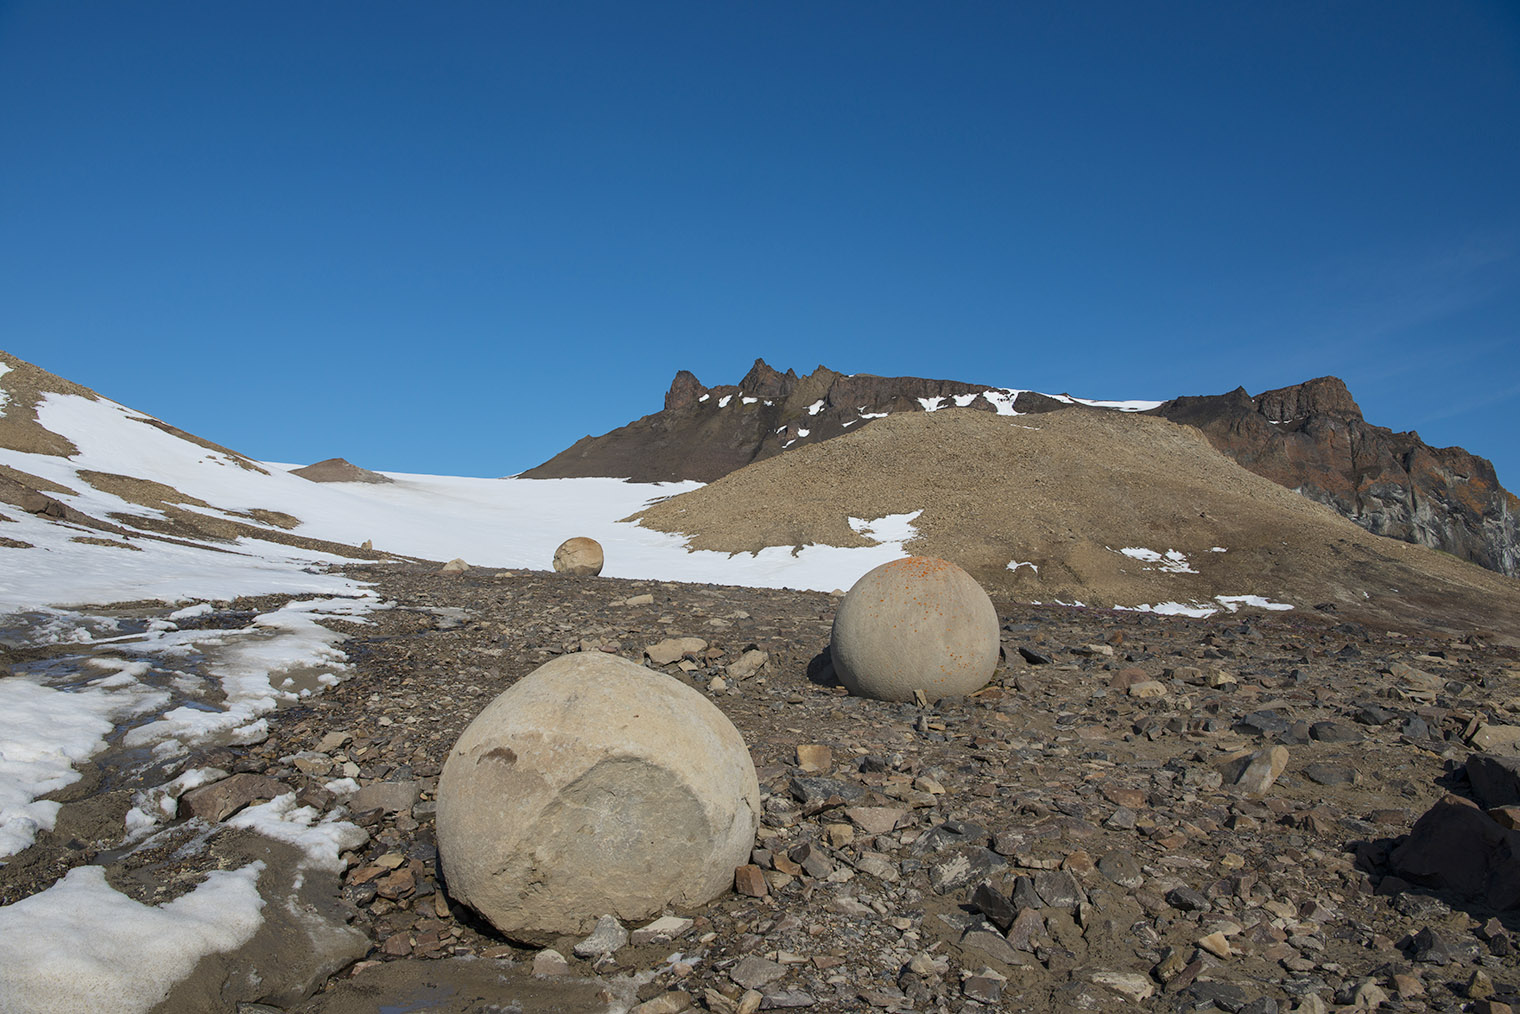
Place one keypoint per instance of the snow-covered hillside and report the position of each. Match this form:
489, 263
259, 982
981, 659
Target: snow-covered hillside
489, 522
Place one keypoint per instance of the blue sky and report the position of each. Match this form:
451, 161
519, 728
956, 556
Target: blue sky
456, 237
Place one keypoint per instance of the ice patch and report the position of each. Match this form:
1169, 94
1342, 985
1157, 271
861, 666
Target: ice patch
83, 946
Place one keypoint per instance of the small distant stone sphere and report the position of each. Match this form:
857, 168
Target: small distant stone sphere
592, 786
579, 556
918, 623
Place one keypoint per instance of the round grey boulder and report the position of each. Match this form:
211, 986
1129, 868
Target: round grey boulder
580, 556
592, 786
918, 623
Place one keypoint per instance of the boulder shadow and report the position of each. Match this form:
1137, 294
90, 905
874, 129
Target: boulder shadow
820, 670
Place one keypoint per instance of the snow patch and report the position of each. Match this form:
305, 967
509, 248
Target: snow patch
44, 733
889, 529
723, 401
1002, 399
323, 840
287, 642
1016, 564
1120, 406
931, 404
1200, 610
747, 401
1234, 602
815, 407
1171, 562
191, 612
81, 945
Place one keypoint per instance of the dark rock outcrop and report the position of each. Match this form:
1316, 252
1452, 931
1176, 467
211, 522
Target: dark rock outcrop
704, 433
1311, 437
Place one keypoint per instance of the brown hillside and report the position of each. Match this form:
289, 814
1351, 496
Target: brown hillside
1066, 491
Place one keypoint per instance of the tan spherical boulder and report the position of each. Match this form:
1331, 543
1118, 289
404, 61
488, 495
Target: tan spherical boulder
592, 786
579, 556
918, 623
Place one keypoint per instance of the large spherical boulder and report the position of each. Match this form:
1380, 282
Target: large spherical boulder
592, 786
579, 556
915, 624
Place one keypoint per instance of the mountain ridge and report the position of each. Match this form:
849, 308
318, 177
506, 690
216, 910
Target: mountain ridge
1310, 437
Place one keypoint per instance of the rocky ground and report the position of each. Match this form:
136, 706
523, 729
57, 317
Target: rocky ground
1098, 829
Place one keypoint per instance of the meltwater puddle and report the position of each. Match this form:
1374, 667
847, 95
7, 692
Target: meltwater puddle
135, 691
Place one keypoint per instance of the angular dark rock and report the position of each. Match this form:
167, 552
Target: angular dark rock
1335, 732
1457, 847
1495, 780
994, 904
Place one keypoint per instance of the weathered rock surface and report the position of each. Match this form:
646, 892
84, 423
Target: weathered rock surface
221, 799
915, 625
594, 785
579, 556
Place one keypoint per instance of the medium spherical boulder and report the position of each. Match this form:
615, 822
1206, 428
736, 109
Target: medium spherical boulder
593, 786
915, 624
579, 556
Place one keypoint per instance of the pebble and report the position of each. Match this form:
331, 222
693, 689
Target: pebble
608, 937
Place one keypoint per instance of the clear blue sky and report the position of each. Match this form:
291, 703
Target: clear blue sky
456, 237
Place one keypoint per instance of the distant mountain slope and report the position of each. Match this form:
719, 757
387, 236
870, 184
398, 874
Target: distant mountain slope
1090, 507
1310, 437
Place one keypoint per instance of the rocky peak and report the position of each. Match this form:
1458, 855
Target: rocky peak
764, 382
1321, 396
685, 389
